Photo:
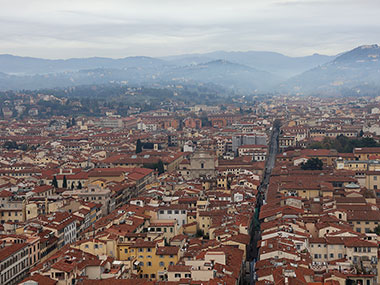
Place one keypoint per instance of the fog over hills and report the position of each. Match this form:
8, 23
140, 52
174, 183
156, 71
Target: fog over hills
28, 65
357, 70
276, 63
251, 71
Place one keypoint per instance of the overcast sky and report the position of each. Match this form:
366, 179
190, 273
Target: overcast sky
119, 28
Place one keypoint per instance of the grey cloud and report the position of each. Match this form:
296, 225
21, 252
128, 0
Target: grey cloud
161, 27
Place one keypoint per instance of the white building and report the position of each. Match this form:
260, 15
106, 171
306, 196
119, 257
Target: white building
14, 262
173, 212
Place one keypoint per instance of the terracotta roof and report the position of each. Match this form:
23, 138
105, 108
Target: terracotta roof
11, 249
40, 279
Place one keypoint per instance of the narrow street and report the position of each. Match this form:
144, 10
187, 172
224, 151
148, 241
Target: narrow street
255, 229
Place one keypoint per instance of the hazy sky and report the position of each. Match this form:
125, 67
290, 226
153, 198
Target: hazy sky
119, 28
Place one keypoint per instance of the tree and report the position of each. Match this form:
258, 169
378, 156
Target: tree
72, 185
160, 167
10, 145
23, 147
199, 233
54, 182
138, 146
79, 185
312, 164
64, 183
344, 144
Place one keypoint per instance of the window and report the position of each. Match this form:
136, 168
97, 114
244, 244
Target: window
176, 212
177, 275
153, 276
149, 263
169, 212
171, 263
141, 263
187, 275
125, 250
162, 264
149, 256
331, 255
149, 250
315, 256
162, 212
141, 250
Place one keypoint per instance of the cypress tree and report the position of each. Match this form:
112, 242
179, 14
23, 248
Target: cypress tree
160, 167
138, 146
64, 183
54, 182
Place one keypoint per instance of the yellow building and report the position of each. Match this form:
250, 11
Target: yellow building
303, 192
162, 228
98, 247
372, 180
364, 153
150, 260
222, 182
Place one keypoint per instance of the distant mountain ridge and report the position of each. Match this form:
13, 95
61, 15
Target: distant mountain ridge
357, 71
276, 63
228, 75
28, 65
272, 62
